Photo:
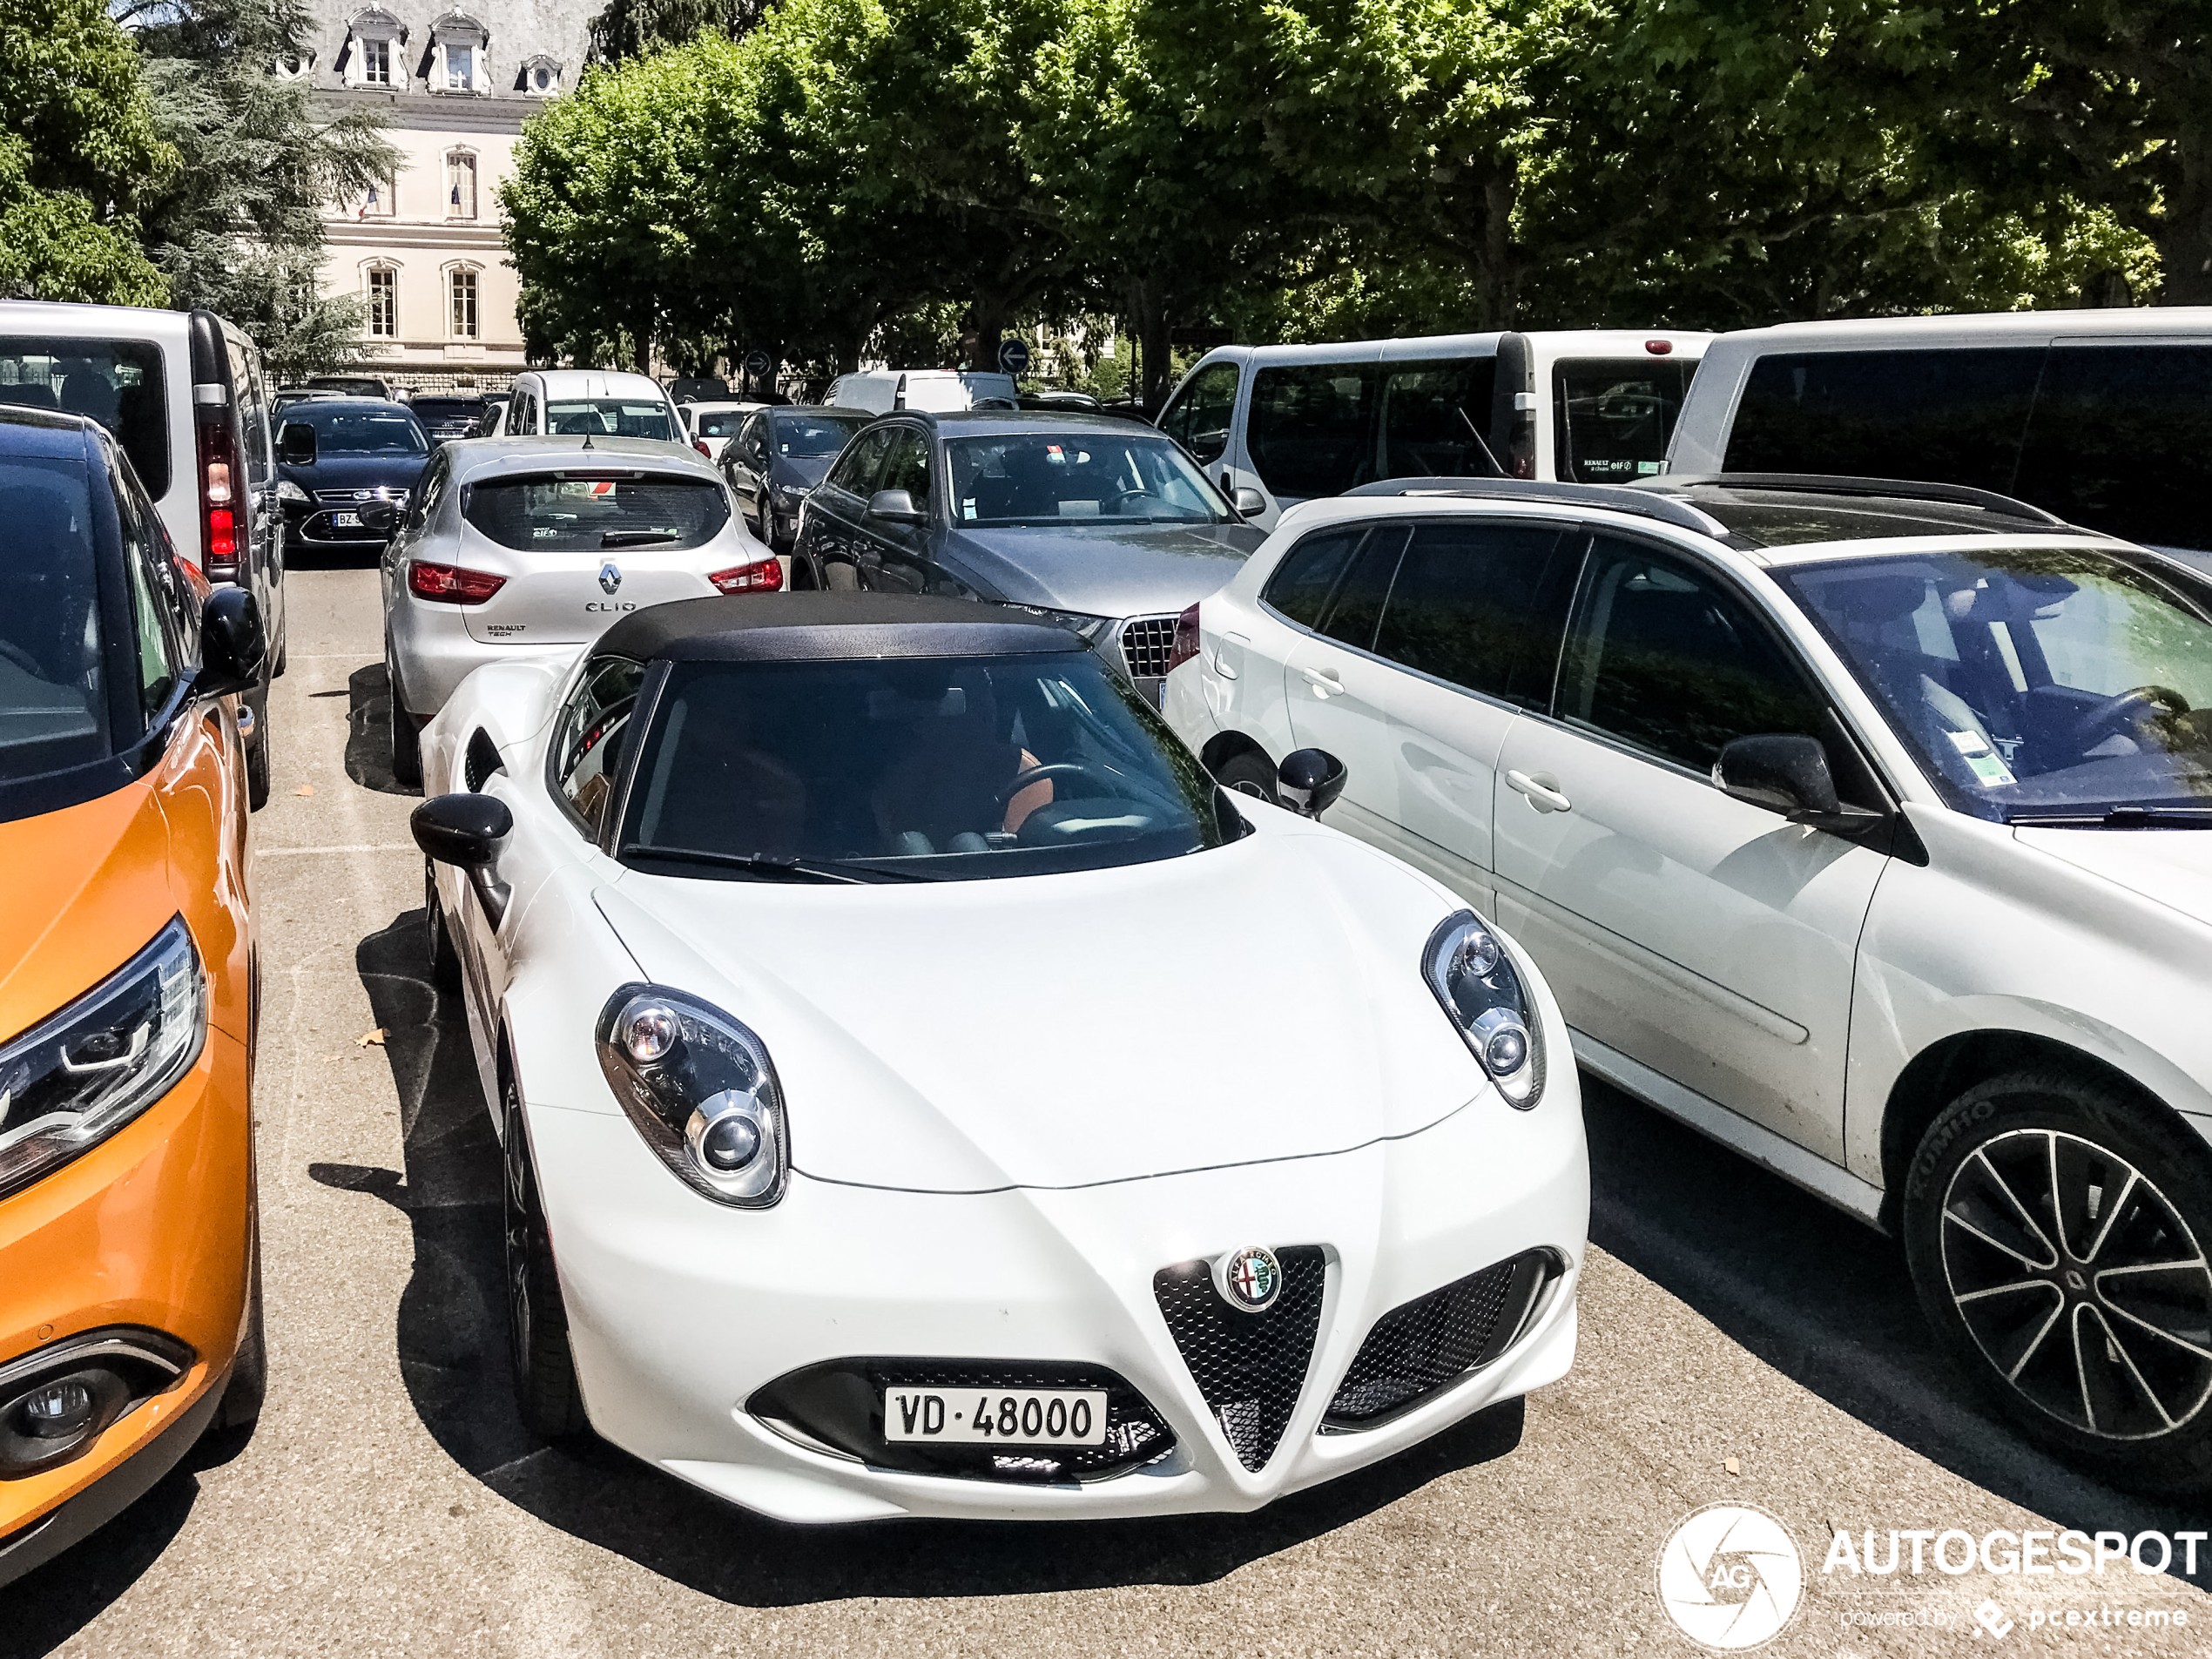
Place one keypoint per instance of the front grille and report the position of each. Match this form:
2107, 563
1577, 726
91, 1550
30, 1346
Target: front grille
1146, 642
1416, 1350
1249, 1367
839, 1404
348, 497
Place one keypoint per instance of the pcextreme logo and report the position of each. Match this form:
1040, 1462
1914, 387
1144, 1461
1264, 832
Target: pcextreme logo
1730, 1577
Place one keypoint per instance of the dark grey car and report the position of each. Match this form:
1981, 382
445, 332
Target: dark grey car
776, 459
1102, 523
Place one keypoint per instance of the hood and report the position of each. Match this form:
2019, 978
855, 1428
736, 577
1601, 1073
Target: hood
1102, 569
1067, 1030
357, 472
2172, 868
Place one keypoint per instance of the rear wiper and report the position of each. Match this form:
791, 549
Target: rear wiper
761, 864
633, 538
2118, 818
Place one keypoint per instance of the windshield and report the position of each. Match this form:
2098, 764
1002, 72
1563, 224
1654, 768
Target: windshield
2034, 683
610, 417
959, 769
1049, 477
547, 514
53, 701
813, 436
343, 431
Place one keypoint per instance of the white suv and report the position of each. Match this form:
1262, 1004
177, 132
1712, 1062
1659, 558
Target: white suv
1855, 823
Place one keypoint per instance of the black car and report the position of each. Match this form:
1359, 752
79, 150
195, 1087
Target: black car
777, 457
447, 418
333, 457
1105, 526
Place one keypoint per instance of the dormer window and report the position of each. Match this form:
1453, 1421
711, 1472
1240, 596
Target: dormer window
292, 66
541, 78
374, 42
457, 53
459, 68
376, 62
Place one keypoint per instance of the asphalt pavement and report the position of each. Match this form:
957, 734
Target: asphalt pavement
1741, 1344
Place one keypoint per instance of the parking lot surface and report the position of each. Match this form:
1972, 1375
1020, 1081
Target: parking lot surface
1741, 1343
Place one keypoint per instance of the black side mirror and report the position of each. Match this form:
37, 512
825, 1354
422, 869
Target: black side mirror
469, 832
382, 516
1787, 772
1309, 781
296, 447
895, 505
233, 648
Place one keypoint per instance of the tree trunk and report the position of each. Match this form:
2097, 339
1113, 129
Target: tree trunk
642, 337
1147, 316
2185, 237
1497, 266
988, 314
849, 348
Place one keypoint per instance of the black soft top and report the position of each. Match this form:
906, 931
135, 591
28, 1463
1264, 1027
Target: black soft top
827, 627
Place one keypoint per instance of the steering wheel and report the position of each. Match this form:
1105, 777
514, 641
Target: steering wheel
22, 659
1029, 775
2128, 709
1121, 497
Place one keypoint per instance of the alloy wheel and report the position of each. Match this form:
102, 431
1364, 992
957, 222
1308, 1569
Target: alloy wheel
2080, 1282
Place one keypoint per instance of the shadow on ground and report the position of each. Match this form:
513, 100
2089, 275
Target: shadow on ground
368, 733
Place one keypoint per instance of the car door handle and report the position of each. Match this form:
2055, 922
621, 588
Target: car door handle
1542, 792
1324, 681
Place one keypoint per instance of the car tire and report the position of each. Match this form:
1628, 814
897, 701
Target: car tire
406, 742
257, 759
537, 1320
249, 1383
2037, 1211
445, 960
283, 649
840, 577
1246, 773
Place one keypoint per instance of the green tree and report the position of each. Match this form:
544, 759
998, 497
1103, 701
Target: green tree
630, 29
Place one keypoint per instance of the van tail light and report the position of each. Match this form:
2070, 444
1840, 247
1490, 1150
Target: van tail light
450, 585
761, 576
218, 526
1659, 348
699, 444
1184, 645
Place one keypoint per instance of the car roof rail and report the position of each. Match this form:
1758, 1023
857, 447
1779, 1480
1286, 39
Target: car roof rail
1618, 498
1817, 484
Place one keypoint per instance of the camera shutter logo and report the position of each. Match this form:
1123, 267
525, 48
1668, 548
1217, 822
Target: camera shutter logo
1730, 1577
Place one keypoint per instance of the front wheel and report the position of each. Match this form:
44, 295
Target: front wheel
1247, 773
2056, 1232
537, 1321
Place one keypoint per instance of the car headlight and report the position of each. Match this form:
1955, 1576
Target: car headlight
1467, 966
700, 1087
287, 490
74, 1079
791, 495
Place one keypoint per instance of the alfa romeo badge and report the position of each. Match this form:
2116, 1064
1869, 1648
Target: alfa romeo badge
1253, 1278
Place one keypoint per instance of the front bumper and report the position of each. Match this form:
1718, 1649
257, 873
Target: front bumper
680, 1311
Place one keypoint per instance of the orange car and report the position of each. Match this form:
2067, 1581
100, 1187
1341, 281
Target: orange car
130, 1306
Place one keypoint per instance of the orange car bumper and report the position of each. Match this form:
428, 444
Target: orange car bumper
153, 1229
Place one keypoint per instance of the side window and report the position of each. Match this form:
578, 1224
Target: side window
2121, 442
1311, 427
908, 469
1308, 575
856, 470
252, 414
587, 752
1434, 414
1615, 415
1359, 604
1465, 608
1666, 657
161, 656
1199, 419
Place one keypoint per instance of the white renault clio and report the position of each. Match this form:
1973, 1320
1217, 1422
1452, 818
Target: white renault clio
1864, 826
513, 546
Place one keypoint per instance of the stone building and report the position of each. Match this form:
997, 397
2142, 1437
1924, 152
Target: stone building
424, 249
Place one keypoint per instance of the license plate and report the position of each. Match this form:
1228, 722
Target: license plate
996, 1417
347, 521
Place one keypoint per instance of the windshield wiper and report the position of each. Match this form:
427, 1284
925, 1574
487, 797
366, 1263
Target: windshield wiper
633, 538
760, 864
2118, 818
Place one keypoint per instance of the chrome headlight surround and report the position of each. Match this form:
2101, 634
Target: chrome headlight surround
698, 1086
1474, 980
80, 1075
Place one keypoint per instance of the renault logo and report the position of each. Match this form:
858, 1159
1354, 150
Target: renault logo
610, 576
1253, 1278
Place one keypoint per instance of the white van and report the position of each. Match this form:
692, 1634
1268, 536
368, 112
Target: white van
942, 391
2102, 417
596, 402
1283, 424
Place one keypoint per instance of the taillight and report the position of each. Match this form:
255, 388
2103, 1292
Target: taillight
217, 505
762, 576
1659, 348
450, 585
699, 444
1185, 643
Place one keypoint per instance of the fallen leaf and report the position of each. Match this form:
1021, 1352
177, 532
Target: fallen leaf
1731, 1465
305, 789
377, 1037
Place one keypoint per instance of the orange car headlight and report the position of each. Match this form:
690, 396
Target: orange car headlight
73, 1080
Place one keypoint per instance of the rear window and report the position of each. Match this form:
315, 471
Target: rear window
610, 417
1615, 415
448, 408
572, 515
812, 436
722, 424
118, 382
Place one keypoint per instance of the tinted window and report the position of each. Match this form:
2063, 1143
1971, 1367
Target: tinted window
254, 435
1303, 581
571, 514
1432, 414
855, 473
118, 382
344, 430
2121, 442
1945, 417
1664, 657
812, 436
619, 418
1359, 604
1311, 428
907, 467
160, 652
1199, 419
587, 754
53, 705
1463, 607
1615, 415
718, 423
1129, 476
429, 498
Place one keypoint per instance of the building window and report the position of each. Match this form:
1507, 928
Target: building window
291, 66
460, 185
464, 305
383, 303
458, 43
380, 201
461, 63
376, 62
541, 76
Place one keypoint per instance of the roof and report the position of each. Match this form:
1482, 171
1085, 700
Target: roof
1990, 329
962, 423
827, 627
610, 382
52, 319
26, 431
481, 457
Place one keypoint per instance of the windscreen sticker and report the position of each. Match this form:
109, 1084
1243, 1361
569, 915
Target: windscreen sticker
968, 507
1990, 770
1056, 454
